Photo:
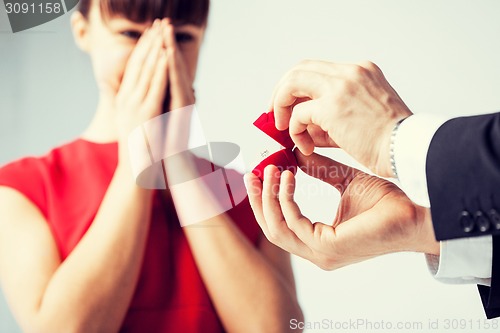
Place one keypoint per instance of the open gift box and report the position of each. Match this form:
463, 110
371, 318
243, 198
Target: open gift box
283, 159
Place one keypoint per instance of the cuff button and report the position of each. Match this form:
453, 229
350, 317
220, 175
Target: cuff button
466, 221
482, 222
494, 218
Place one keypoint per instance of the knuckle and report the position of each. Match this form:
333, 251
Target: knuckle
370, 66
273, 235
283, 196
286, 193
359, 71
268, 194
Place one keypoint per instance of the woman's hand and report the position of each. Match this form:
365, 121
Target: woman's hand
374, 216
180, 82
181, 96
142, 89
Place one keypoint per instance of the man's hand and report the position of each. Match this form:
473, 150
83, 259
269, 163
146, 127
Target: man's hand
374, 216
340, 105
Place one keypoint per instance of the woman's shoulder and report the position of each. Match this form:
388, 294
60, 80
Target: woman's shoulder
68, 153
23, 167
27, 165
28, 175
36, 176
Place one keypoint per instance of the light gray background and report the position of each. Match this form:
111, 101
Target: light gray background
441, 56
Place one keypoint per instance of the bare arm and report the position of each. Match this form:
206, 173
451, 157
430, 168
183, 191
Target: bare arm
91, 290
252, 288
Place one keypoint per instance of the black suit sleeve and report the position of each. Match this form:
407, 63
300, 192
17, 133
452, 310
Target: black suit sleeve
463, 177
463, 180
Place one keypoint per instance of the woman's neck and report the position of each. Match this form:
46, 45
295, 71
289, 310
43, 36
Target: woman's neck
102, 128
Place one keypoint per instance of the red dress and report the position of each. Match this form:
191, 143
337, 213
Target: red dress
68, 185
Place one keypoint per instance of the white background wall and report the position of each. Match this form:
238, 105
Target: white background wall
441, 56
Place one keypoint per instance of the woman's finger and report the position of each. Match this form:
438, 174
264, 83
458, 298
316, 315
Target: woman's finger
150, 68
136, 60
168, 33
181, 90
158, 87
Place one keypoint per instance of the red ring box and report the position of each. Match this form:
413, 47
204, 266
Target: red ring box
283, 159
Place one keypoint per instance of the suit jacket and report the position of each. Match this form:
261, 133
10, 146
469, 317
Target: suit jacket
463, 179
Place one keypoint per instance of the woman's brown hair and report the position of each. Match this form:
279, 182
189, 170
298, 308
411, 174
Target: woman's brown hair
179, 11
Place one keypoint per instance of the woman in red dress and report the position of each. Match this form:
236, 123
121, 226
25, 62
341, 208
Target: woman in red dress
84, 249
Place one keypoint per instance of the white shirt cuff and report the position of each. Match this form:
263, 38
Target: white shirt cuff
411, 145
464, 260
